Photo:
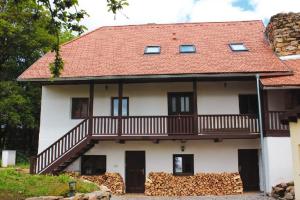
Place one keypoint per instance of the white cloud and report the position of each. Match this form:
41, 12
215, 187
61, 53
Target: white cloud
171, 11
138, 12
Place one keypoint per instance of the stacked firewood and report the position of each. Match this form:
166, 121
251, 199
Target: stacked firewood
165, 184
113, 181
284, 191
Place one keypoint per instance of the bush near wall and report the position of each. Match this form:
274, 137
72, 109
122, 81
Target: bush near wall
200, 184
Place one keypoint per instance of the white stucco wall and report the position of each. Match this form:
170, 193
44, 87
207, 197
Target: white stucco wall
144, 99
278, 157
209, 156
56, 112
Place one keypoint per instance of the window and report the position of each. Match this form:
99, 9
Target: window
183, 164
93, 164
115, 106
152, 50
238, 47
187, 49
80, 107
180, 103
248, 104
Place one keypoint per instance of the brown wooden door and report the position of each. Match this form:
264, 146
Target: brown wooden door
249, 169
135, 171
180, 110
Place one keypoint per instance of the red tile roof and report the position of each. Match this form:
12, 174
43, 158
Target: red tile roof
119, 51
292, 80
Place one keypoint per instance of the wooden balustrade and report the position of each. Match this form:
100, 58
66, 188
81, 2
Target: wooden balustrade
274, 123
169, 125
62, 146
228, 123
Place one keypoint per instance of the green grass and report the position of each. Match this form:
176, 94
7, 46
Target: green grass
15, 185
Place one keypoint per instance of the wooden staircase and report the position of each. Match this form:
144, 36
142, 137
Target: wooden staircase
64, 151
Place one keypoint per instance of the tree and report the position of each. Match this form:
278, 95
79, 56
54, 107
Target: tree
65, 15
23, 39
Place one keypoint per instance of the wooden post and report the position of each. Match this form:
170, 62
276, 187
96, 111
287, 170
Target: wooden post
195, 107
91, 109
265, 109
120, 97
32, 161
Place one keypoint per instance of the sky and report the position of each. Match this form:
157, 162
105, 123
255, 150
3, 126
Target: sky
174, 11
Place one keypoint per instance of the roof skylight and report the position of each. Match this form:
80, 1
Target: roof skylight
152, 50
187, 48
238, 47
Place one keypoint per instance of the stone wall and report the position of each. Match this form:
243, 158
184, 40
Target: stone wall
283, 32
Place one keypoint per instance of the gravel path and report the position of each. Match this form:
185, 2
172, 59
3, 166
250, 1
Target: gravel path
252, 196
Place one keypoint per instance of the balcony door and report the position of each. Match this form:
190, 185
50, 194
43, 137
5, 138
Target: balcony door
180, 110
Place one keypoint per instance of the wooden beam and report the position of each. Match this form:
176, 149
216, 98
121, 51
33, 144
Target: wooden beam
120, 97
91, 108
178, 137
265, 109
195, 107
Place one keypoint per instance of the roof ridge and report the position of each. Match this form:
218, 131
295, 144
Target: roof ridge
180, 23
155, 24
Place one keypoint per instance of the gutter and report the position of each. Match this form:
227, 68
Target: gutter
263, 164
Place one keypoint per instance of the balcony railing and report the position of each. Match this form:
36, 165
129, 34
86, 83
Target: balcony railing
274, 126
174, 125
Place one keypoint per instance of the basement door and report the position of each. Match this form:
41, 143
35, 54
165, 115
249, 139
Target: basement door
249, 169
135, 171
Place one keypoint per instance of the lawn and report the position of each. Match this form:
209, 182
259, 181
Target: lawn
15, 184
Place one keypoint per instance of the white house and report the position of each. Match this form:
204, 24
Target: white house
177, 98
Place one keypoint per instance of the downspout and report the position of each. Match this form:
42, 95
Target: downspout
261, 135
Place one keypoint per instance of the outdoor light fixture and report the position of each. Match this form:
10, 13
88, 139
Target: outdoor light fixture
182, 145
182, 148
72, 188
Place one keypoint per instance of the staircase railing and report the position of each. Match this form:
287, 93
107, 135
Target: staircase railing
60, 147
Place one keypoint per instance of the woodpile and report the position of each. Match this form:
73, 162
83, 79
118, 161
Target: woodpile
113, 181
166, 184
284, 191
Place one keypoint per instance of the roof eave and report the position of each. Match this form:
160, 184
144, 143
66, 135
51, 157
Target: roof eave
157, 76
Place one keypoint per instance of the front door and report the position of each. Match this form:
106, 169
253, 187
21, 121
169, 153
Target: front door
135, 171
180, 110
249, 169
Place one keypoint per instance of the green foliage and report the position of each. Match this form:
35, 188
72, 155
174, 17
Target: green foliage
15, 106
66, 36
23, 38
21, 185
115, 5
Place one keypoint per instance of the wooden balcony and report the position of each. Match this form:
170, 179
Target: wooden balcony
176, 127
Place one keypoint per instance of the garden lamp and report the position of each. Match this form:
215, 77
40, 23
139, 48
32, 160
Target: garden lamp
72, 188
